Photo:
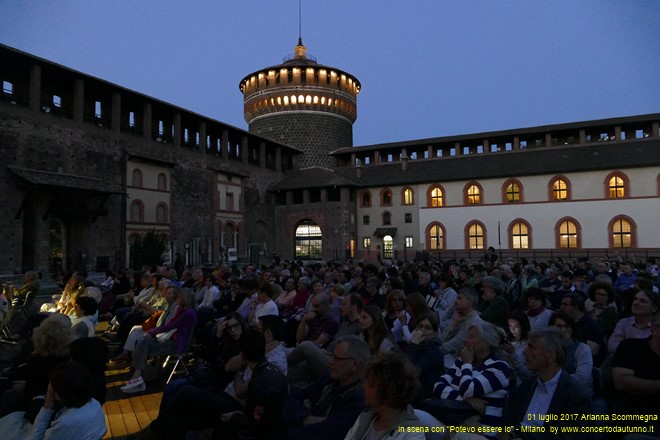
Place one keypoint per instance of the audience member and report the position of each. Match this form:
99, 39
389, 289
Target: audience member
328, 407
390, 387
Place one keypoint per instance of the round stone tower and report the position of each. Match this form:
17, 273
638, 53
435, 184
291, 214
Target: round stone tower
303, 104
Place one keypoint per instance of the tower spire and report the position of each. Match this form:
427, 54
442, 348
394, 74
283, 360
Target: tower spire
300, 43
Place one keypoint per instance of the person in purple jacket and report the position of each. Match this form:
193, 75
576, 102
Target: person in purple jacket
179, 329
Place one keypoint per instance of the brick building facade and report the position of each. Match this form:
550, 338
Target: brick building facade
89, 165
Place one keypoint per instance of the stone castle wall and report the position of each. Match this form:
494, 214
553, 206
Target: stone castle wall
316, 134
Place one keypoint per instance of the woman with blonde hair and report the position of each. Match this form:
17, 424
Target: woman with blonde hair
50, 342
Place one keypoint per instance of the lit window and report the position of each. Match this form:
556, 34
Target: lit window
309, 241
559, 190
388, 246
512, 192
473, 195
475, 236
520, 236
436, 197
568, 235
366, 242
408, 196
409, 242
621, 233
435, 237
617, 188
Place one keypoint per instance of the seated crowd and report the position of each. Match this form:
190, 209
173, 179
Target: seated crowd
372, 350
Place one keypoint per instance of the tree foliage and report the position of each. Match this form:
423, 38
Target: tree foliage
148, 250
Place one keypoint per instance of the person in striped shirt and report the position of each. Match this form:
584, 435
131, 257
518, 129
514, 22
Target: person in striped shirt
478, 377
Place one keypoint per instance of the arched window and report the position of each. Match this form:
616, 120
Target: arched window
475, 236
435, 196
137, 178
162, 182
568, 233
387, 218
560, 189
162, 214
435, 237
365, 220
365, 199
472, 193
623, 232
407, 197
386, 197
137, 211
520, 235
388, 247
309, 241
512, 191
616, 186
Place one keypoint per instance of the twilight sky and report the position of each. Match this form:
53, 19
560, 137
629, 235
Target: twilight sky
428, 67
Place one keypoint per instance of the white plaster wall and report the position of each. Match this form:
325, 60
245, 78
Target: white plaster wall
588, 206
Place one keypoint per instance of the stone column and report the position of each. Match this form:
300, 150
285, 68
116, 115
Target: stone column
203, 145
582, 136
224, 140
306, 197
146, 121
176, 141
516, 143
457, 148
35, 88
548, 139
115, 123
78, 100
278, 159
262, 154
244, 149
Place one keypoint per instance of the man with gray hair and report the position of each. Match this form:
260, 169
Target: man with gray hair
549, 391
465, 316
318, 325
328, 407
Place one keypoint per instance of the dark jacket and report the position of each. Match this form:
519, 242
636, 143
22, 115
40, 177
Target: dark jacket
429, 360
570, 398
340, 405
266, 393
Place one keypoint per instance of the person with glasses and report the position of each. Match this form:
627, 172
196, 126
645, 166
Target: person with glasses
425, 353
327, 408
578, 362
